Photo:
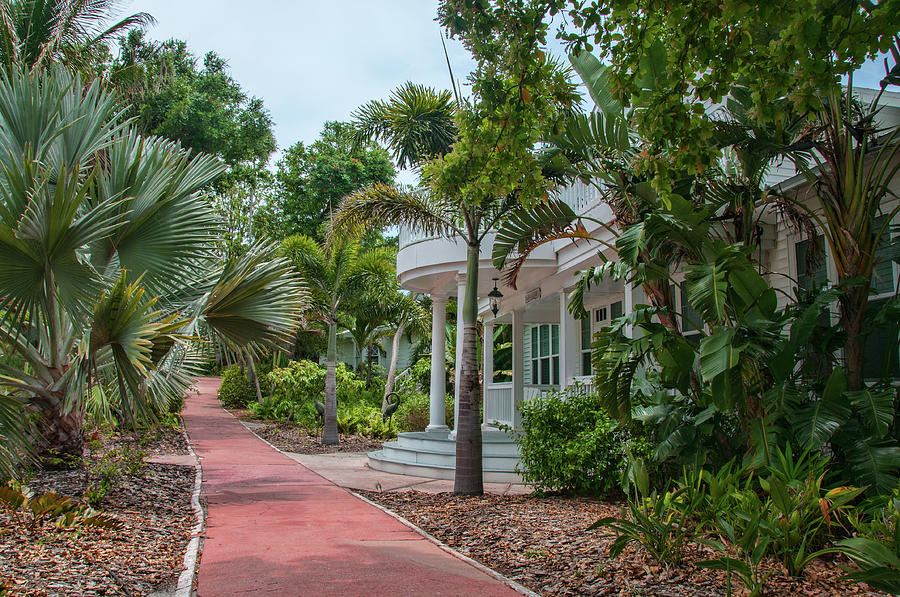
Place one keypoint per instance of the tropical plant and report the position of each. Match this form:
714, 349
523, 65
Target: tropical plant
336, 274
416, 123
854, 165
41, 33
29, 510
661, 523
568, 444
108, 272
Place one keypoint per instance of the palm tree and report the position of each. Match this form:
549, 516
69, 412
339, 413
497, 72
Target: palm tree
854, 165
383, 204
463, 201
409, 316
416, 123
108, 272
40, 33
335, 275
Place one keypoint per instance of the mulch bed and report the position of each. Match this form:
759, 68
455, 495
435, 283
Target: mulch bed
543, 544
146, 555
291, 437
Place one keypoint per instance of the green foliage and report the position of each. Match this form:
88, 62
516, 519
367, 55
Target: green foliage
201, 106
311, 180
661, 523
702, 49
876, 546
365, 420
104, 471
413, 414
29, 511
39, 34
569, 444
236, 391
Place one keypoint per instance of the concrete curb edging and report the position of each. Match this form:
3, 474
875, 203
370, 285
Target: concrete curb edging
192, 551
521, 589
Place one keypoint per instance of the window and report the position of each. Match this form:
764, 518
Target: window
545, 354
691, 322
586, 346
616, 310
880, 346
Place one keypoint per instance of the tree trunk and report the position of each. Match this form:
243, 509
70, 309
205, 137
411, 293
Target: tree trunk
369, 367
853, 305
251, 370
330, 434
60, 433
392, 368
468, 479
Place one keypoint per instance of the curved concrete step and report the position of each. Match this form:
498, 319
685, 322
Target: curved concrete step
492, 443
403, 453
378, 461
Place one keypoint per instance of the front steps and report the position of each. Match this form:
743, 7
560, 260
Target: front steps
433, 455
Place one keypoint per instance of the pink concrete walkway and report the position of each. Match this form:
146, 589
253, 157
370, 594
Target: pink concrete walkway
275, 527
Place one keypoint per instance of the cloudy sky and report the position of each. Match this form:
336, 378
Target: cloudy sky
317, 61
314, 61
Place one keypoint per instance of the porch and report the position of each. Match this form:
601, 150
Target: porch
550, 350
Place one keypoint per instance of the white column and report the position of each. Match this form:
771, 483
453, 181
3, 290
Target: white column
518, 363
569, 338
460, 301
437, 419
487, 353
628, 305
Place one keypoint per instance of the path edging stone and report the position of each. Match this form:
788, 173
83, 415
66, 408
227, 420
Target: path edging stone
521, 589
185, 584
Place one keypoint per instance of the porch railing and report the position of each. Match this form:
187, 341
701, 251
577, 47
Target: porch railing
498, 404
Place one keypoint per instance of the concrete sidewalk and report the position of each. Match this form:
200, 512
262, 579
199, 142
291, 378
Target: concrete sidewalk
351, 470
275, 527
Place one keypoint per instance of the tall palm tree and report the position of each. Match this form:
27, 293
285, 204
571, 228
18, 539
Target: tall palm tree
335, 275
108, 272
40, 33
463, 201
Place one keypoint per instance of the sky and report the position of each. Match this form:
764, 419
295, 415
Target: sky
314, 61
317, 61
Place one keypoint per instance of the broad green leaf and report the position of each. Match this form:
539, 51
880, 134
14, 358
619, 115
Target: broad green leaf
718, 353
876, 408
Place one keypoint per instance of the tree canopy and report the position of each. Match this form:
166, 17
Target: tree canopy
310, 180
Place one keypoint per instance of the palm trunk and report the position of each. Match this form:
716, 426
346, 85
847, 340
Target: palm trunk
60, 432
468, 479
853, 304
392, 368
330, 431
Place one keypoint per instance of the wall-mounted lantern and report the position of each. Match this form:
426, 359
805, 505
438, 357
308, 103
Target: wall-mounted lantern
495, 296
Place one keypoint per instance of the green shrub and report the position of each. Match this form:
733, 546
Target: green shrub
236, 390
418, 379
569, 445
362, 419
293, 390
413, 414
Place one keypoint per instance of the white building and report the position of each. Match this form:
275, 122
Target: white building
550, 347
